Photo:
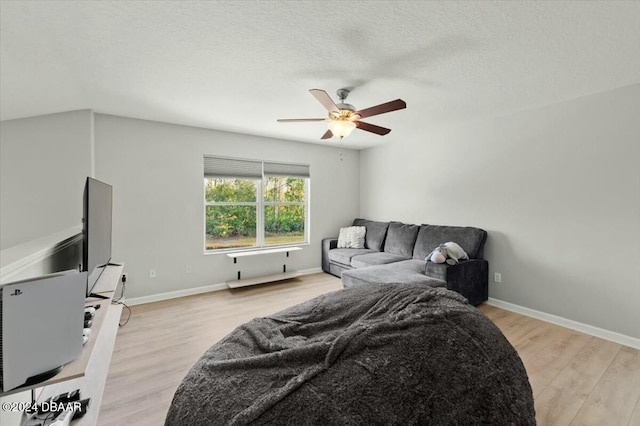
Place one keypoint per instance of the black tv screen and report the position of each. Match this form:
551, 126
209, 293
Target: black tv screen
96, 253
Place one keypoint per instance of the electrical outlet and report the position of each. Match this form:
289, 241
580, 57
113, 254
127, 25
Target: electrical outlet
152, 273
125, 277
497, 277
187, 269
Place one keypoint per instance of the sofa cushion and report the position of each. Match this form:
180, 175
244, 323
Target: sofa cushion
344, 255
337, 269
431, 236
387, 274
377, 258
376, 232
352, 237
421, 247
414, 265
400, 239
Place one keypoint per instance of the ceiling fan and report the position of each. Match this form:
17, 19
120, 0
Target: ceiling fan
343, 117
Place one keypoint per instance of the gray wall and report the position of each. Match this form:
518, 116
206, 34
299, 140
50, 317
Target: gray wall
557, 188
156, 171
44, 162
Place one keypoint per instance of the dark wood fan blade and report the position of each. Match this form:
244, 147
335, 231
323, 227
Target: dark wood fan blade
324, 99
382, 108
328, 135
290, 120
372, 128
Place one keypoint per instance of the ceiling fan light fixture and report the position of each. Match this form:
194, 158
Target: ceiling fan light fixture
343, 117
342, 128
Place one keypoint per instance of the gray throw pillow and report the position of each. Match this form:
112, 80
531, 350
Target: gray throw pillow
470, 239
352, 237
376, 232
400, 239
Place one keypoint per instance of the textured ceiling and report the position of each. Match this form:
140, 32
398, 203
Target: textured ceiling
240, 65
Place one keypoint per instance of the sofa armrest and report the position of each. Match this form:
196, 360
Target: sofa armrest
327, 244
469, 278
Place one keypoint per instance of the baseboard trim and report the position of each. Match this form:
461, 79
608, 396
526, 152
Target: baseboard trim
564, 322
196, 290
175, 294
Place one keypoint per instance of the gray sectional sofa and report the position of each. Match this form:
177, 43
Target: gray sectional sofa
395, 252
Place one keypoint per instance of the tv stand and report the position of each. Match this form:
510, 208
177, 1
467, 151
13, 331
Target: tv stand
88, 372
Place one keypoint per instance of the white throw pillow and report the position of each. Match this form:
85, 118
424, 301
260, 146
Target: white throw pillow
352, 237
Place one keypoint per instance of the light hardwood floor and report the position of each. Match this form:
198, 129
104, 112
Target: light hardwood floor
576, 379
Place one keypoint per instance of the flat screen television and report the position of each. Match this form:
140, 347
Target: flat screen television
97, 216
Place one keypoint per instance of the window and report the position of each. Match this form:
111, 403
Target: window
231, 208
284, 210
254, 204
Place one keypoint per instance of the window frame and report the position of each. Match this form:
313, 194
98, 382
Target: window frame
231, 203
305, 205
260, 204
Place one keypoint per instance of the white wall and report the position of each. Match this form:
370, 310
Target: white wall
156, 170
557, 189
44, 162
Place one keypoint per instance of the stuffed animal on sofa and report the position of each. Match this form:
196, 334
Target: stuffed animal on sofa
449, 252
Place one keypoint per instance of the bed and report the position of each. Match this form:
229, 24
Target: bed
383, 354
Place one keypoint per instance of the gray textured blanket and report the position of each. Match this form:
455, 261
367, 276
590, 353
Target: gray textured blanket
386, 355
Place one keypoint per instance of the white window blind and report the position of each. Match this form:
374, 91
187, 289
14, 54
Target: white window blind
219, 167
284, 169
